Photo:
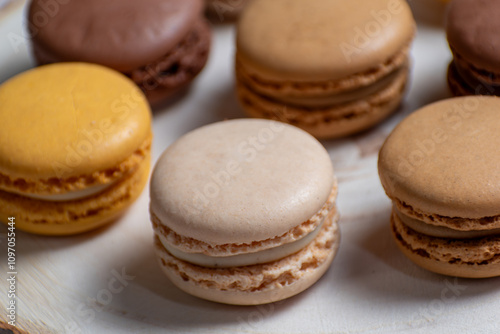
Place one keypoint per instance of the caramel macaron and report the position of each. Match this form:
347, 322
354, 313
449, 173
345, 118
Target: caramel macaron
441, 169
161, 45
472, 30
244, 211
74, 147
332, 68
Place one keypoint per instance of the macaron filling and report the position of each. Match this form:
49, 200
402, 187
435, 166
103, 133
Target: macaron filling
477, 81
70, 196
247, 259
343, 97
442, 231
179, 66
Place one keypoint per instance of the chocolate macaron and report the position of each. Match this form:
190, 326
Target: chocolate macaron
332, 68
244, 211
472, 28
441, 169
160, 44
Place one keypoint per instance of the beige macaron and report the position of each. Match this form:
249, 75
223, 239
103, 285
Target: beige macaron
244, 211
441, 168
332, 68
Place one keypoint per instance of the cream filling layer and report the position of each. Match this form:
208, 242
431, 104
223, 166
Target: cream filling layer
345, 97
441, 231
69, 196
240, 260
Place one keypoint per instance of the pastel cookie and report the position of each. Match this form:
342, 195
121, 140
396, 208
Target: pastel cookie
472, 30
74, 147
160, 44
332, 68
440, 167
244, 212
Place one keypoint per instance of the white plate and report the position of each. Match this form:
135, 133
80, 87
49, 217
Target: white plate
64, 283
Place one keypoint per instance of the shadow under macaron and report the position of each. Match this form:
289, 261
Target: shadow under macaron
407, 279
169, 302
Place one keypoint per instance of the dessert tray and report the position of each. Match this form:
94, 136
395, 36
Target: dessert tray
108, 281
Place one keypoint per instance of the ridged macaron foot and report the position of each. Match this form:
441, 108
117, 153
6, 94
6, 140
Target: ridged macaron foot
440, 167
161, 45
244, 211
332, 68
74, 147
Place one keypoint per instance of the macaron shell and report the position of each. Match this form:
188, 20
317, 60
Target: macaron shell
477, 258
332, 122
83, 118
443, 159
121, 34
278, 280
78, 216
298, 40
241, 181
472, 31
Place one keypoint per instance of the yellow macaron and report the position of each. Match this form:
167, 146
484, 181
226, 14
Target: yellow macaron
74, 147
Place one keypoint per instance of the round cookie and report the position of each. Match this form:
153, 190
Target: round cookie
291, 67
471, 29
160, 44
440, 167
244, 211
74, 148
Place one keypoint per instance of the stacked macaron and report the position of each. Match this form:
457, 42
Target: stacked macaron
441, 168
244, 211
332, 68
160, 44
74, 147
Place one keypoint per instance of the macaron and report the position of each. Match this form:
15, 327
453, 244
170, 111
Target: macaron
161, 45
471, 29
244, 211
74, 147
332, 68
441, 169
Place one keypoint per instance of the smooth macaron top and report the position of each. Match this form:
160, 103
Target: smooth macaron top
444, 159
472, 30
122, 34
69, 119
240, 181
323, 39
